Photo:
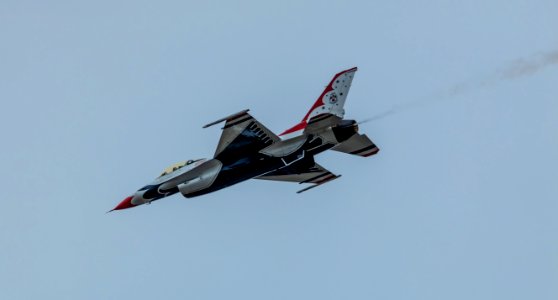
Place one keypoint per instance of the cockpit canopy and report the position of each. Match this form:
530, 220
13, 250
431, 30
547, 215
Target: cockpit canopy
177, 166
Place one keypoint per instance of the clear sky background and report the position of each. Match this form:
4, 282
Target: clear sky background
461, 202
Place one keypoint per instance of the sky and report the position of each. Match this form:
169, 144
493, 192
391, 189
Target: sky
98, 97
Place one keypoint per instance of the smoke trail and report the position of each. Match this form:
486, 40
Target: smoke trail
524, 67
516, 69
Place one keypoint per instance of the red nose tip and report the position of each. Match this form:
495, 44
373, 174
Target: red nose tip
126, 203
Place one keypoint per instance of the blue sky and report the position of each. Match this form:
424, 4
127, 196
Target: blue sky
98, 97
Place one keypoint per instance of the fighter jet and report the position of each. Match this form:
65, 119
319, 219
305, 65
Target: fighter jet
248, 150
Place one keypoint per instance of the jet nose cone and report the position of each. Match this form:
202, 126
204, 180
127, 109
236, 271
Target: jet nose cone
126, 203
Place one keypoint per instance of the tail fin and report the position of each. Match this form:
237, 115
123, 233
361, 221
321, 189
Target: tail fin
330, 102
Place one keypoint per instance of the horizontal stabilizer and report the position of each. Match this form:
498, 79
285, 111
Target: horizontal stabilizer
302, 173
358, 144
325, 180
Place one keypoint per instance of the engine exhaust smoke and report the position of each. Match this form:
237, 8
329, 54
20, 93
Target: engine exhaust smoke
516, 69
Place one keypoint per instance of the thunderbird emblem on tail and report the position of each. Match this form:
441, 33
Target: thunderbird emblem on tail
247, 149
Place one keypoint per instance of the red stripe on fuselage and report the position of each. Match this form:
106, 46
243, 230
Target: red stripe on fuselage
297, 127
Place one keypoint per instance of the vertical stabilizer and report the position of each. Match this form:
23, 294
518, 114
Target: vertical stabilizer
329, 104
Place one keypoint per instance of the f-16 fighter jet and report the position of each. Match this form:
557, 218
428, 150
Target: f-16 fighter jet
247, 149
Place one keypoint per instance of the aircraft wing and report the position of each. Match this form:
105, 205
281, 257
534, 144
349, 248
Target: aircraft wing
242, 133
315, 174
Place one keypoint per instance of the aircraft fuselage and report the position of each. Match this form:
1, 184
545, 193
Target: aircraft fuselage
242, 162
248, 149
